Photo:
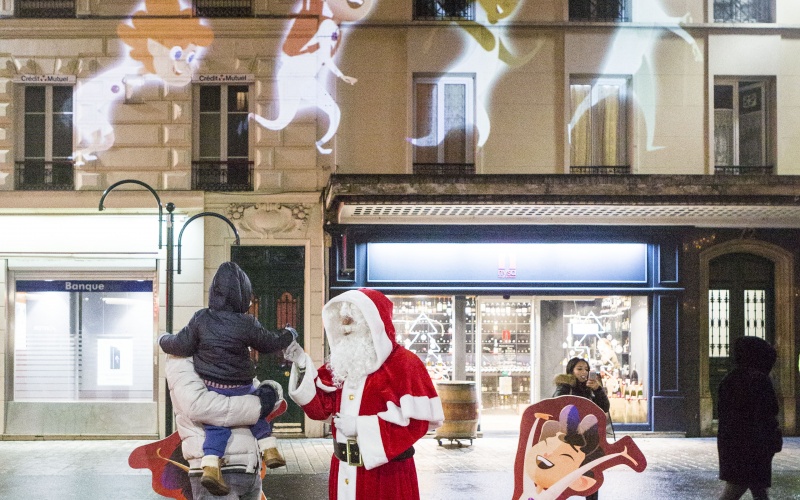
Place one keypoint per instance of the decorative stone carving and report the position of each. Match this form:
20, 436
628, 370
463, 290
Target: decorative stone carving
269, 218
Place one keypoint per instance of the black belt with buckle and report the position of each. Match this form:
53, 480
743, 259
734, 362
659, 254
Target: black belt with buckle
349, 452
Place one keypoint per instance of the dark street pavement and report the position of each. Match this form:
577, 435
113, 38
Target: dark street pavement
678, 468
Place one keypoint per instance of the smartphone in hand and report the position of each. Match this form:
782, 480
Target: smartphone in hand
593, 375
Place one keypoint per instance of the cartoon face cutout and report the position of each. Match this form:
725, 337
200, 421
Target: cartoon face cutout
552, 459
174, 65
350, 10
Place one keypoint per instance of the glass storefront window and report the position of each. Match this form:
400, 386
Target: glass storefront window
610, 332
513, 347
83, 341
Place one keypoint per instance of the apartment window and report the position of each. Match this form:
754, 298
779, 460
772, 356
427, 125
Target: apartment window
598, 127
742, 127
744, 11
444, 137
599, 10
222, 139
444, 10
223, 8
45, 146
45, 8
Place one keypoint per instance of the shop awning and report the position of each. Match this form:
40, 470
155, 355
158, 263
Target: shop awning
763, 201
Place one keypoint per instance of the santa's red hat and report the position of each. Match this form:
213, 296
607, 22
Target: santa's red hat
377, 310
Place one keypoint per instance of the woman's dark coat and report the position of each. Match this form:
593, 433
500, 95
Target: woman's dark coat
749, 434
567, 384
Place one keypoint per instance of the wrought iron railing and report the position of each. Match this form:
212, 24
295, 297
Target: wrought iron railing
40, 175
444, 168
600, 170
742, 170
45, 8
599, 10
743, 11
231, 175
444, 10
223, 8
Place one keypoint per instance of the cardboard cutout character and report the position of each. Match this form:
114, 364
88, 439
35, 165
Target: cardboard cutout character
563, 450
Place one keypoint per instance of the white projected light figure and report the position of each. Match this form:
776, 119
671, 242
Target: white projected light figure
487, 57
631, 54
160, 48
299, 81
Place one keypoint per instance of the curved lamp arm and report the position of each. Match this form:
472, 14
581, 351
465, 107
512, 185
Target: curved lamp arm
134, 181
203, 214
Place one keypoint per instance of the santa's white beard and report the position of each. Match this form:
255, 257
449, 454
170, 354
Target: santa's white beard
352, 356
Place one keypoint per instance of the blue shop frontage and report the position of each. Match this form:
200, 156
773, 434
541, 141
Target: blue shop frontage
500, 280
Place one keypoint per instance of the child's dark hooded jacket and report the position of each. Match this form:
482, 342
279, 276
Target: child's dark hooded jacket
218, 337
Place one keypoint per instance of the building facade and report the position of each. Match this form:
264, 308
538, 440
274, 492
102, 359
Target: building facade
527, 180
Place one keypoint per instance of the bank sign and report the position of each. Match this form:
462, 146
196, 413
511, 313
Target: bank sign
516, 262
96, 286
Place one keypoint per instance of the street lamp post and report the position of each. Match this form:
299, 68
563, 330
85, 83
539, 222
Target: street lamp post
170, 292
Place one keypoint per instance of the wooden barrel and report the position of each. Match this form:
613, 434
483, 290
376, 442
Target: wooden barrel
460, 405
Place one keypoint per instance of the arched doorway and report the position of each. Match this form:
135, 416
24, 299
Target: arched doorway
746, 289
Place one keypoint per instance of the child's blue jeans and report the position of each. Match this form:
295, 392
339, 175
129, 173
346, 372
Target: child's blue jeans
217, 437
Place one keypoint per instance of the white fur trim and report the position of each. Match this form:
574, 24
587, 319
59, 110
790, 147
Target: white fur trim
304, 392
370, 443
267, 443
416, 407
210, 461
383, 346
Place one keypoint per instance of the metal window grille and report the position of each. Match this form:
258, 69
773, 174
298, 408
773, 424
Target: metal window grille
45, 8
743, 170
443, 10
231, 175
40, 175
613, 170
718, 323
755, 313
287, 310
223, 8
743, 11
444, 168
598, 10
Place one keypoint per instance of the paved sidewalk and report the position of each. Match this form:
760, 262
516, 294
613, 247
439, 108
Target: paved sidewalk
678, 468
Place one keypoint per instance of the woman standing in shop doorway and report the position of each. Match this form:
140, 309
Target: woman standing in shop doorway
576, 382
749, 434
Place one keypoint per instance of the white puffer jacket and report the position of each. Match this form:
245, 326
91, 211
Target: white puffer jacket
194, 405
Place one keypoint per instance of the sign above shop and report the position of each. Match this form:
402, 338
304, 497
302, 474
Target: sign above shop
51, 79
225, 78
84, 286
516, 262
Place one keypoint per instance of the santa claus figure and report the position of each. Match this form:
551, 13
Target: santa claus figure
379, 394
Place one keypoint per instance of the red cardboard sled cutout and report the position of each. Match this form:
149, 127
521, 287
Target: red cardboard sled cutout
563, 450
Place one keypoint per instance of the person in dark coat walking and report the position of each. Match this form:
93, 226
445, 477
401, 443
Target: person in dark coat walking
749, 434
219, 339
576, 382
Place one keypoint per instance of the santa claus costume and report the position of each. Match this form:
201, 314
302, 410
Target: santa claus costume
393, 405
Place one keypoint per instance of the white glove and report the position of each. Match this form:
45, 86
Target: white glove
295, 354
346, 424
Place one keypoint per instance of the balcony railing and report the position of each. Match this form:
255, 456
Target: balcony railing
743, 11
597, 170
231, 175
444, 10
599, 10
741, 170
444, 168
223, 8
40, 175
45, 8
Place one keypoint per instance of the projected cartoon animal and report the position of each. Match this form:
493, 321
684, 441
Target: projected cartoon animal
631, 53
161, 48
560, 458
487, 56
302, 58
